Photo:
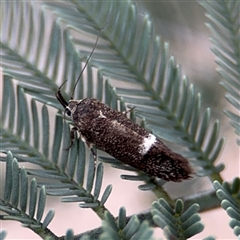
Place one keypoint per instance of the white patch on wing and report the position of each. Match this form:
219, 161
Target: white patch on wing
147, 143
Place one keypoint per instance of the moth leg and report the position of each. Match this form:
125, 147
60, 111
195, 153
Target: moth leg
91, 147
94, 153
128, 111
72, 136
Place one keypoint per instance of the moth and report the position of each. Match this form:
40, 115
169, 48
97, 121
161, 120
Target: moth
111, 131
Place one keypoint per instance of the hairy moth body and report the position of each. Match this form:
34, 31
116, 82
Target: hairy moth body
112, 132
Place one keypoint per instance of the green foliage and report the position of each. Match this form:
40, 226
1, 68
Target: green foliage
132, 229
14, 205
3, 234
225, 27
177, 223
47, 44
230, 201
69, 235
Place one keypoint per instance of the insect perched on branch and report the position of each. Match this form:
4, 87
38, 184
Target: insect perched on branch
112, 132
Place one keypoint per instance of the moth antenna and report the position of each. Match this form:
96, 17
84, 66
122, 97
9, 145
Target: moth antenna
80, 75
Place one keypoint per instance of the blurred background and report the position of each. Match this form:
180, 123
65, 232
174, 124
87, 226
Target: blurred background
182, 25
